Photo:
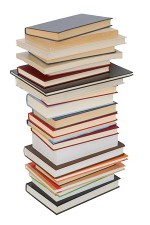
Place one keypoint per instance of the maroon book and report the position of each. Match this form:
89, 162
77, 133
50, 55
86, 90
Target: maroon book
41, 79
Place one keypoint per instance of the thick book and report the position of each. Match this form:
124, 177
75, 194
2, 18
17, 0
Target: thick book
115, 73
60, 170
65, 204
66, 154
68, 27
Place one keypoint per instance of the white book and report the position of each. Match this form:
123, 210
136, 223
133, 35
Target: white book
70, 153
67, 108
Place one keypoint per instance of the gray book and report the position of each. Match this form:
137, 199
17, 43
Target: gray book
68, 27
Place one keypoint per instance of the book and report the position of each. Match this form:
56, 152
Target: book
50, 111
72, 94
57, 145
81, 116
73, 152
71, 135
62, 180
65, 204
86, 50
74, 130
44, 81
115, 73
68, 27
79, 40
58, 67
50, 58
76, 167
84, 187
72, 185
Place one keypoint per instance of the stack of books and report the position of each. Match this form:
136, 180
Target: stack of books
71, 83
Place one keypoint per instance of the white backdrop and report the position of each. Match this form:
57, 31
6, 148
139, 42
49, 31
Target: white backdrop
126, 205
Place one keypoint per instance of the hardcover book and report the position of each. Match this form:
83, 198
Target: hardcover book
68, 27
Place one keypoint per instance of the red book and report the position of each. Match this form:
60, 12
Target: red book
48, 80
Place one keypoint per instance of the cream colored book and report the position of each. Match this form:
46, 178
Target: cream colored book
89, 54
67, 52
58, 67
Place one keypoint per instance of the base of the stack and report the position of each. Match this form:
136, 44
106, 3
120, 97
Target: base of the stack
68, 203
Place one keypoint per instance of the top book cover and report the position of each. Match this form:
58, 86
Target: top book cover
69, 27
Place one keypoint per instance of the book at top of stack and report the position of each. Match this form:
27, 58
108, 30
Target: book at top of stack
71, 83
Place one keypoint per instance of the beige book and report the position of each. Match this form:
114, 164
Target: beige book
77, 56
55, 54
48, 69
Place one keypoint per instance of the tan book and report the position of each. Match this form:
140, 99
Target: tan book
79, 117
79, 40
71, 52
35, 123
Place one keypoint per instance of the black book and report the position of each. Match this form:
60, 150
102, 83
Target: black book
68, 27
115, 73
70, 202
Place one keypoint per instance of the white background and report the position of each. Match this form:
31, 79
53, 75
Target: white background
130, 203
